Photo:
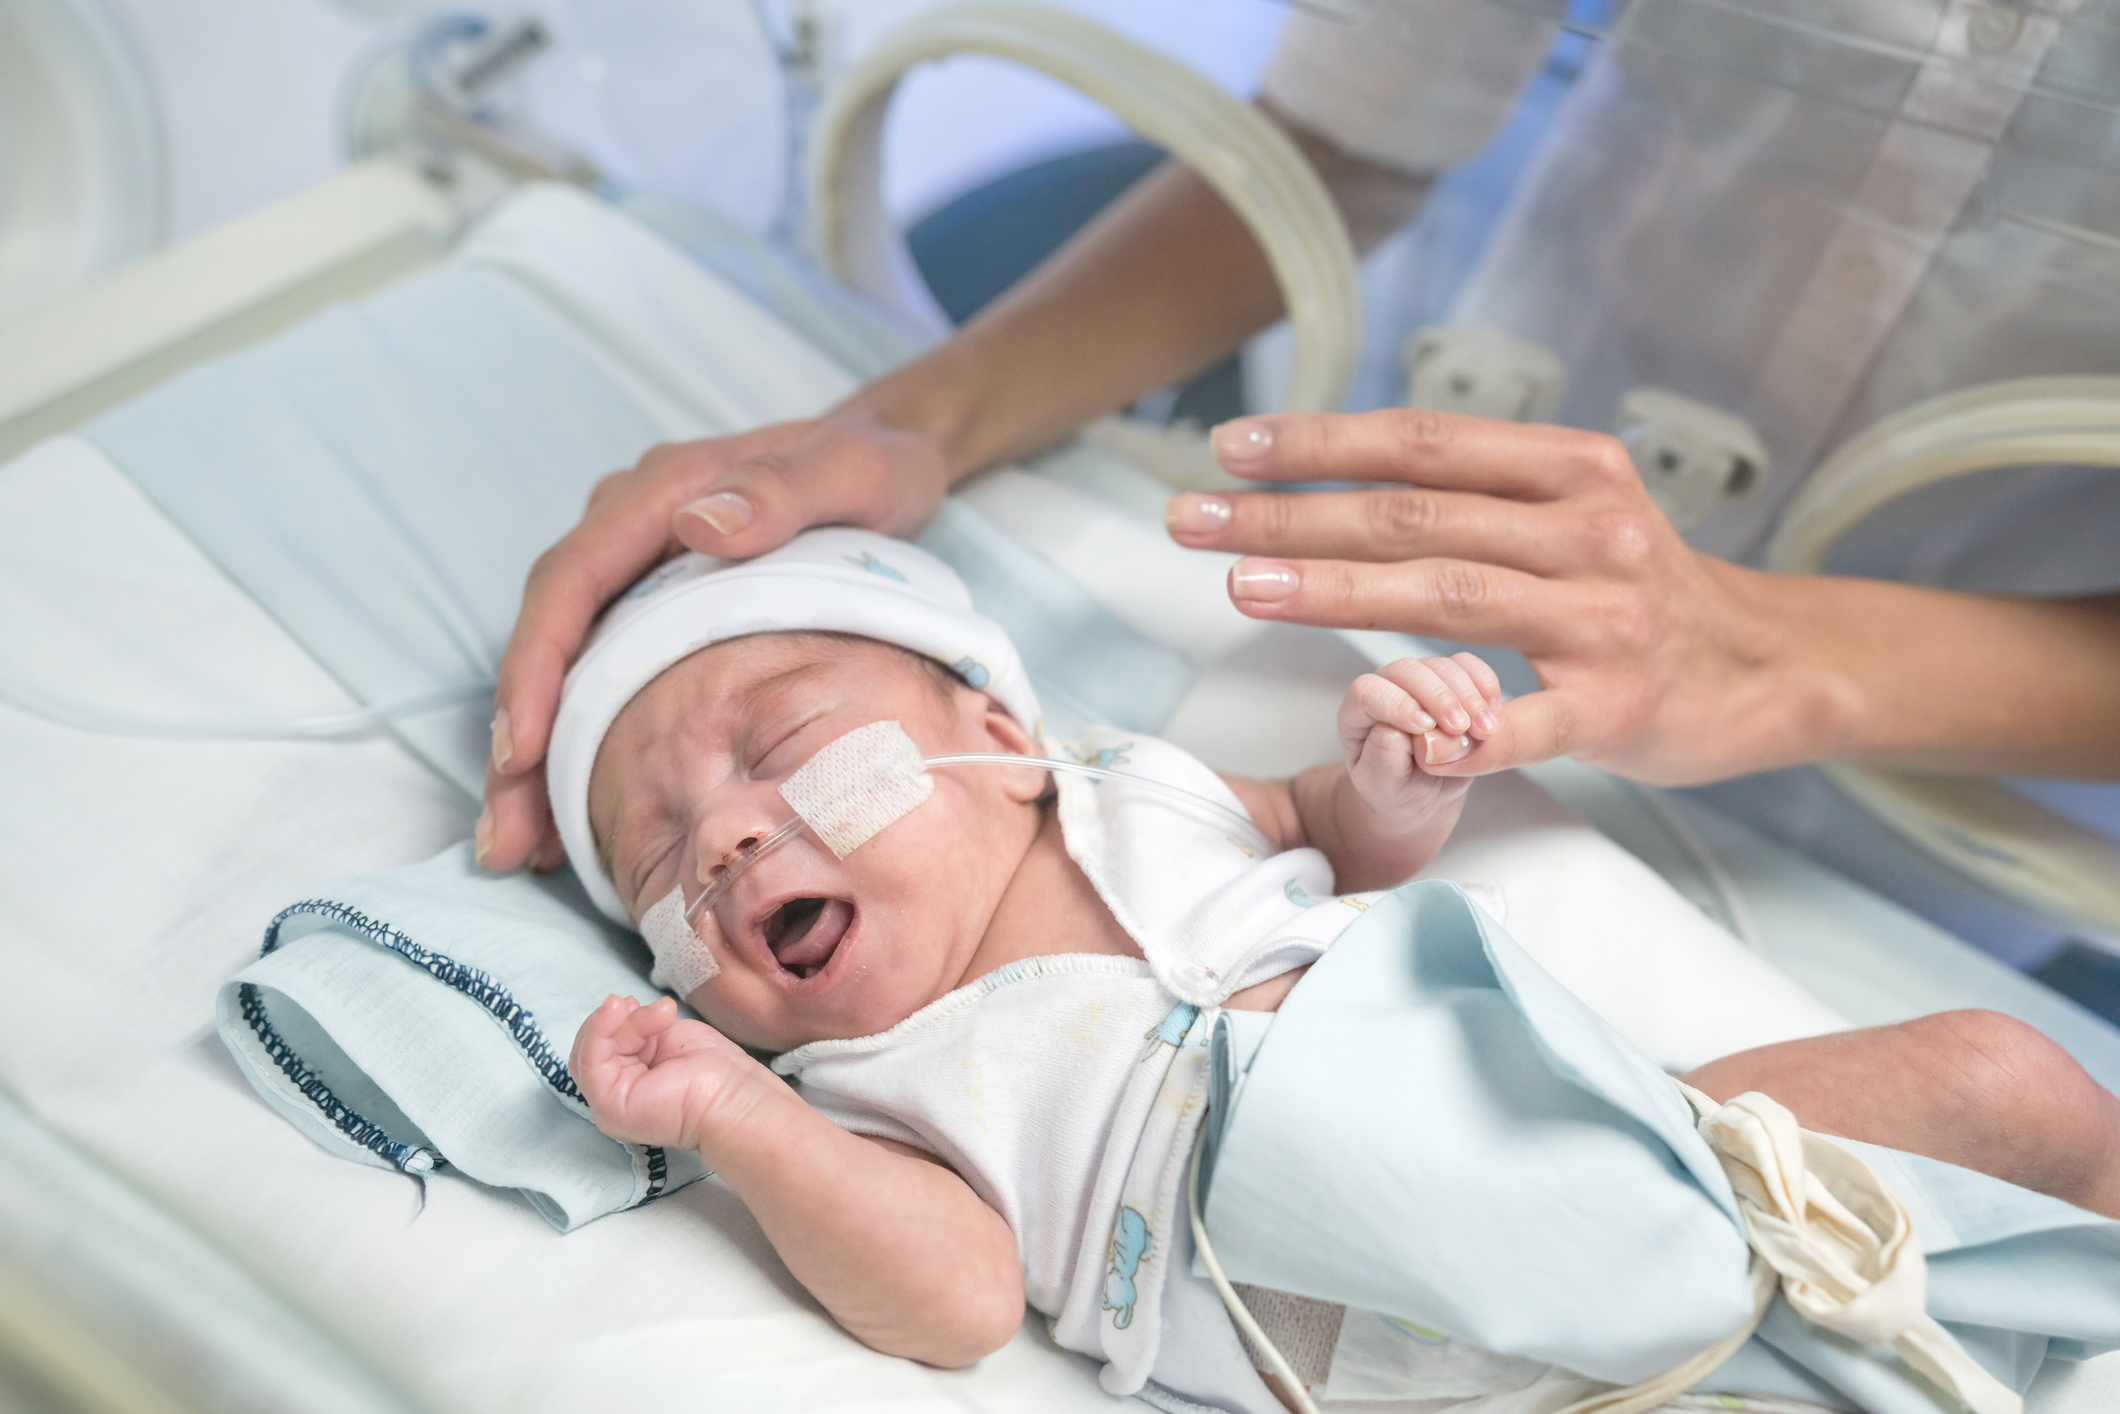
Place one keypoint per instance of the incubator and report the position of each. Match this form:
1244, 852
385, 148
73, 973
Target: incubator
451, 240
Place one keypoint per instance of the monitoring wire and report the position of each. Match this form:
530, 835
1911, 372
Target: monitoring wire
104, 720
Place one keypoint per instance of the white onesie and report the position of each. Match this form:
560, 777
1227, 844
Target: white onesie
1067, 1090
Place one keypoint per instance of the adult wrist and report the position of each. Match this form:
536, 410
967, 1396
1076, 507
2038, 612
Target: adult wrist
934, 397
1789, 699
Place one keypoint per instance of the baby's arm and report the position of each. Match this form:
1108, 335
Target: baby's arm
895, 1245
1378, 817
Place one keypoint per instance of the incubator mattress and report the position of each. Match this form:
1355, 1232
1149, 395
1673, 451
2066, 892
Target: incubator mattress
136, 875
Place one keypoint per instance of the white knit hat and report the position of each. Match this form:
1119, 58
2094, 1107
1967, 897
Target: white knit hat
826, 581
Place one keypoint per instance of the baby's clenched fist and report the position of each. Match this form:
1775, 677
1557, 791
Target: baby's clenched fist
1411, 714
652, 1077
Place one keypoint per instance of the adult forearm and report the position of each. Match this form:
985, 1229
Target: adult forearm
1897, 675
1163, 282
897, 1248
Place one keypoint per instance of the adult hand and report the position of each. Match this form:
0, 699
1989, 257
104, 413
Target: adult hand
732, 496
1541, 539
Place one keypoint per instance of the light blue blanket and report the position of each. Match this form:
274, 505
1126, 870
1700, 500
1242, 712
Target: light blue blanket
1432, 1128
421, 1018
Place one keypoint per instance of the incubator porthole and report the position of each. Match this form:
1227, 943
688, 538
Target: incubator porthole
83, 168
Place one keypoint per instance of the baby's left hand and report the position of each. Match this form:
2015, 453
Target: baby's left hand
1410, 714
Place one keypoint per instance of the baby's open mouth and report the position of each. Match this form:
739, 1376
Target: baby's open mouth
803, 933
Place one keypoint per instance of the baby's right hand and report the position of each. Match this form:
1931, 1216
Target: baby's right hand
650, 1078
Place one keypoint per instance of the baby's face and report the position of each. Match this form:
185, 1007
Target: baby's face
811, 947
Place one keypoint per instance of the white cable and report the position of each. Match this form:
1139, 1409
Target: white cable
1291, 1383
1987, 832
103, 720
1232, 146
1235, 818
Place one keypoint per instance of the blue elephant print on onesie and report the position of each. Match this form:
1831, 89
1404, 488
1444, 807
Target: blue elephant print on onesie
1105, 758
1129, 1247
867, 561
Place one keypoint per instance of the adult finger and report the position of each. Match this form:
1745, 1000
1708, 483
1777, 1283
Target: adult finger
1376, 523
515, 828
1535, 727
1471, 603
838, 473
568, 585
624, 533
1421, 447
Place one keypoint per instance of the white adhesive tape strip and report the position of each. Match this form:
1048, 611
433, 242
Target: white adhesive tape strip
857, 785
682, 959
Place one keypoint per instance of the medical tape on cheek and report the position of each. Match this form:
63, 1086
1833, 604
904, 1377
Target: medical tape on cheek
856, 786
682, 960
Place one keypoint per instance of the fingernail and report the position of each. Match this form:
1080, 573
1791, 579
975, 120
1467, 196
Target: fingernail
1442, 749
482, 835
1262, 581
1244, 441
1488, 723
726, 511
503, 740
1422, 722
1195, 514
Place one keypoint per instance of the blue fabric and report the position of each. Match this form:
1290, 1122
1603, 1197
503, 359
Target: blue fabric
1478, 1153
421, 1018
381, 477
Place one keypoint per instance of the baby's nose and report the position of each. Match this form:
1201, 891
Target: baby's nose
721, 843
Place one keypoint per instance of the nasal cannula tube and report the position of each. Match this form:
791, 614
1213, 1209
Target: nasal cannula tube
735, 864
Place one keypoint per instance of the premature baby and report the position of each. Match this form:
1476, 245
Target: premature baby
980, 1114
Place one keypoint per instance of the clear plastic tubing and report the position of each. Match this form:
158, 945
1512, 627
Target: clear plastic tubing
765, 844
119, 721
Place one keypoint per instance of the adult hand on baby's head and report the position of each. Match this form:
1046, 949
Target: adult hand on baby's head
1408, 716
728, 496
651, 1078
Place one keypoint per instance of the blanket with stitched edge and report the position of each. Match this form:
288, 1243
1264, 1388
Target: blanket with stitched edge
420, 1018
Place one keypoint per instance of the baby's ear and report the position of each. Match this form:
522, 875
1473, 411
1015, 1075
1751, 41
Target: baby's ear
1007, 734
1005, 731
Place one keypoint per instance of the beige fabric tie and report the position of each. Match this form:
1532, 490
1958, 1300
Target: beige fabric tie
1840, 1247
